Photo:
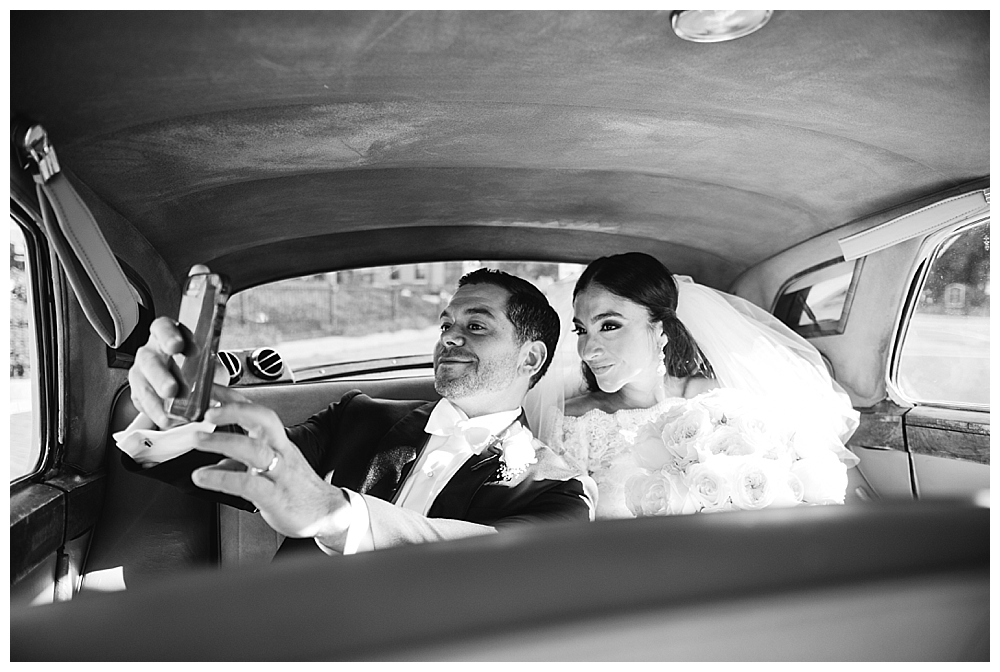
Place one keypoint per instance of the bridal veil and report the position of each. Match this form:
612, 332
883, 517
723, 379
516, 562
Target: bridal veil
749, 349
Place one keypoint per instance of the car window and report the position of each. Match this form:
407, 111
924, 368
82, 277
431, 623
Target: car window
817, 302
945, 355
359, 314
25, 421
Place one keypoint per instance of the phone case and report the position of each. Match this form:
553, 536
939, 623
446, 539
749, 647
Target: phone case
202, 309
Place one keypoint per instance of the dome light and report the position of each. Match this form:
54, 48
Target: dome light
718, 25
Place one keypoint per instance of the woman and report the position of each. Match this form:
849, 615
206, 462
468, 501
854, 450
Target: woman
648, 343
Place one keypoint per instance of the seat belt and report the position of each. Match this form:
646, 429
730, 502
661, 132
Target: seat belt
105, 294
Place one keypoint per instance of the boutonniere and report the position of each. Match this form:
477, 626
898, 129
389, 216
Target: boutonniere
515, 446
517, 452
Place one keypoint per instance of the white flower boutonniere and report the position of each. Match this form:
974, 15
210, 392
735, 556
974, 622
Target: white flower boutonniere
517, 452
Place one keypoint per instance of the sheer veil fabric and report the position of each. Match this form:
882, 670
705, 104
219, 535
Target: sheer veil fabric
749, 349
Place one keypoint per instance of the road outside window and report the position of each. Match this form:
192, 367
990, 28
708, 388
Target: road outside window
360, 314
946, 351
25, 437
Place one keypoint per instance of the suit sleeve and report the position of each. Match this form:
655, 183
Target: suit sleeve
393, 526
530, 503
312, 438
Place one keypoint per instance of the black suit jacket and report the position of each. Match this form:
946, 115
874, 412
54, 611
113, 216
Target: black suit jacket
370, 446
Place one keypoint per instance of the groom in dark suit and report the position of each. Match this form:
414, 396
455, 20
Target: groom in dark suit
396, 472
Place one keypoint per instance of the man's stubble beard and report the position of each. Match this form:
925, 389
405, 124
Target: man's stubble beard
486, 376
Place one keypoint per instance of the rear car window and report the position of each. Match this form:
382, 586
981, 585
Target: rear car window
945, 355
319, 323
817, 302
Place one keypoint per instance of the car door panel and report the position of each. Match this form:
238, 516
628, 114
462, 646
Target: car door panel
886, 471
950, 449
879, 443
944, 477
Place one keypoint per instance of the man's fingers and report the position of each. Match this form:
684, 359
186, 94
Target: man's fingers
165, 336
231, 465
145, 399
250, 451
261, 422
240, 483
152, 368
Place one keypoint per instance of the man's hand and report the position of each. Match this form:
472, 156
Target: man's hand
291, 497
150, 379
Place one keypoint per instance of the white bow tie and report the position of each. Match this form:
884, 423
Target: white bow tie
477, 437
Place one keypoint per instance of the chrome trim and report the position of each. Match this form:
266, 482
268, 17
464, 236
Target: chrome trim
928, 250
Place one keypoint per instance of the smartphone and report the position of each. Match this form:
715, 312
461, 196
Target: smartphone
203, 306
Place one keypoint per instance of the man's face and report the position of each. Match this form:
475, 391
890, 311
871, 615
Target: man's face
477, 352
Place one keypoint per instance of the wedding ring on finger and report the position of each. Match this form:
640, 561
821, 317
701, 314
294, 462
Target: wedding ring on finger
254, 471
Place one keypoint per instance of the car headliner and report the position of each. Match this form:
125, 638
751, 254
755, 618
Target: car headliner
496, 134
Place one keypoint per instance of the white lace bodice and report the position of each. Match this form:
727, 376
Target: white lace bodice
600, 444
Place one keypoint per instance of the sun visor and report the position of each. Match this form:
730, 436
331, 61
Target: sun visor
93, 271
918, 223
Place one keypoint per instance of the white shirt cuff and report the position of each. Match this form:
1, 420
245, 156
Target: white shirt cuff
359, 530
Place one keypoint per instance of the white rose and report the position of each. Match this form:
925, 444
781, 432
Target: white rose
681, 455
758, 483
655, 495
727, 440
758, 431
690, 427
781, 451
648, 450
824, 479
709, 488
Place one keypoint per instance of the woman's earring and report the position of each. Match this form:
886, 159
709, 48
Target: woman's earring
662, 366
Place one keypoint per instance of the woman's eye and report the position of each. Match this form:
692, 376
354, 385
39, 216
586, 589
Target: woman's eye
579, 331
445, 326
476, 327
610, 326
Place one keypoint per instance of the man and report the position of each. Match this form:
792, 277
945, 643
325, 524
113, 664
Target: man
459, 467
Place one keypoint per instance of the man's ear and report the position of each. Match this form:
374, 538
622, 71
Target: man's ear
533, 356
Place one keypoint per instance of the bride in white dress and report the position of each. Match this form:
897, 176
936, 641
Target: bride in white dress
649, 341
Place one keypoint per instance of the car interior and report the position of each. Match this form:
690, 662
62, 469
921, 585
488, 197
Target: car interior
829, 146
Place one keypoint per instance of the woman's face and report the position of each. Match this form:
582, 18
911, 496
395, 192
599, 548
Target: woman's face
616, 340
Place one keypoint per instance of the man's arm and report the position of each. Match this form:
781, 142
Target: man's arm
528, 503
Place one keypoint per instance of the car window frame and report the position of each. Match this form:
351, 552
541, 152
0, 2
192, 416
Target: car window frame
834, 327
918, 276
42, 289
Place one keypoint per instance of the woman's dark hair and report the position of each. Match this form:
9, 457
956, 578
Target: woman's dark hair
642, 279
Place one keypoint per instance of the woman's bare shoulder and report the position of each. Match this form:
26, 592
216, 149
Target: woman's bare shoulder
699, 385
581, 405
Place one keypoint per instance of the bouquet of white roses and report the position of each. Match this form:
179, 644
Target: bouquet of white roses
723, 451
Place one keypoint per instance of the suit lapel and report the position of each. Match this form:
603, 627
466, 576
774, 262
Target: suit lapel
396, 454
455, 498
